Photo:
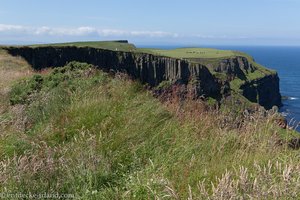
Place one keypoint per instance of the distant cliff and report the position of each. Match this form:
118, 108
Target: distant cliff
153, 70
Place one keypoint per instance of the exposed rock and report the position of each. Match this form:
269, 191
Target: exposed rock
235, 67
264, 91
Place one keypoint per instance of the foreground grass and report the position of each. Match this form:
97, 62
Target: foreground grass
11, 70
97, 137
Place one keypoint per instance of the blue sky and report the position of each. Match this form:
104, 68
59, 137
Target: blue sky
176, 22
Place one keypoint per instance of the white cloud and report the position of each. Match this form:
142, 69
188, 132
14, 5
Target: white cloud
112, 32
79, 31
154, 34
14, 28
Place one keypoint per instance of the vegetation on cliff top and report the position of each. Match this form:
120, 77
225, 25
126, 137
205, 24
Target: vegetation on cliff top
121, 45
194, 53
81, 131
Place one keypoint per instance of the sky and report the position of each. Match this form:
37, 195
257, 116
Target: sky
152, 22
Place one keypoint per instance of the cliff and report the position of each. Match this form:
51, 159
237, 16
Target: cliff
264, 91
155, 69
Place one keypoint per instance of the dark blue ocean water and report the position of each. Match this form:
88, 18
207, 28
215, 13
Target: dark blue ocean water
286, 61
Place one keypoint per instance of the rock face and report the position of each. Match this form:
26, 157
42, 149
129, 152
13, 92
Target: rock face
235, 67
264, 91
153, 70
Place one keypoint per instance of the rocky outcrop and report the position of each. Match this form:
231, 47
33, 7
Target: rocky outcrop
153, 70
264, 91
235, 67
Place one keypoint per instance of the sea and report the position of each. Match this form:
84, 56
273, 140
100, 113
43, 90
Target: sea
286, 61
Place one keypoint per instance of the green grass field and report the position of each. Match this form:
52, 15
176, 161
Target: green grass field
182, 53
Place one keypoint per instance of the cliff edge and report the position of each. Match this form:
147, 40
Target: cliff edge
212, 73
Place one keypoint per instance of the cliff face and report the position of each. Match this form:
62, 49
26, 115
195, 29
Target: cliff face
264, 91
153, 70
235, 67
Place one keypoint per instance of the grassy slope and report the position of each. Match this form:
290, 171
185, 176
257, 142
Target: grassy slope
99, 137
11, 70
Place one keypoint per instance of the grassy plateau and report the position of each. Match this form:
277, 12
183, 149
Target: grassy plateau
77, 130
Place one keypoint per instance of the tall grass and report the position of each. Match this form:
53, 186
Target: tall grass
11, 69
102, 137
